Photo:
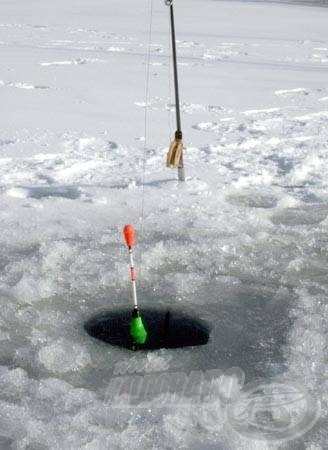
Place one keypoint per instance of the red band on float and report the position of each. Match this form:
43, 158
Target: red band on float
133, 273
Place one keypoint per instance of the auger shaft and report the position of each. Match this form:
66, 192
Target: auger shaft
175, 155
178, 133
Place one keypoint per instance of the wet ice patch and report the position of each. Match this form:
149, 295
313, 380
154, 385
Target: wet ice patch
4, 142
306, 215
252, 200
38, 192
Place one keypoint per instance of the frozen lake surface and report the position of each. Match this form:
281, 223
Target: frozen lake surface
242, 245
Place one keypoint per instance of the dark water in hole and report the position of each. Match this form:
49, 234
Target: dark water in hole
220, 325
166, 328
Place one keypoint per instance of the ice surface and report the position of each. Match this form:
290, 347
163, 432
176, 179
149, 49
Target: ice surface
242, 244
62, 356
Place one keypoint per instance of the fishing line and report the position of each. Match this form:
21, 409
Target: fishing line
150, 31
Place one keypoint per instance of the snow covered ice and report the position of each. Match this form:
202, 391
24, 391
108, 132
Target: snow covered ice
242, 244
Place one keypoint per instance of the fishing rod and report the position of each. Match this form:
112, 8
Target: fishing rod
175, 153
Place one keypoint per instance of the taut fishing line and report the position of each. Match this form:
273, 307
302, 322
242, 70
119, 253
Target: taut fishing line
150, 31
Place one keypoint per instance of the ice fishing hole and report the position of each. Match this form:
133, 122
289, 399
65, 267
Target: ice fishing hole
167, 328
